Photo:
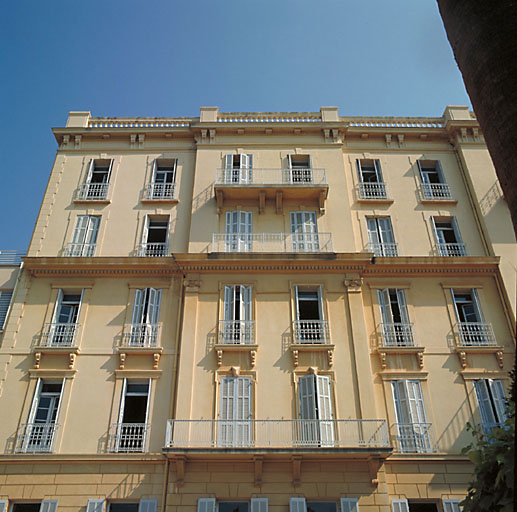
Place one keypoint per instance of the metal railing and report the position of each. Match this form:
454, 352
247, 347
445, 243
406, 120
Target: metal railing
397, 335
93, 191
476, 334
10, 257
413, 437
58, 335
451, 250
384, 249
311, 332
271, 242
277, 434
79, 250
35, 437
160, 191
373, 190
128, 437
236, 332
297, 176
141, 336
436, 191
152, 250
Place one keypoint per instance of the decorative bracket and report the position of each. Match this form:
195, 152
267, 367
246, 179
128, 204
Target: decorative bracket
77, 141
330, 356
132, 140
258, 462
180, 470
262, 201
296, 359
499, 356
122, 357
373, 470
37, 360
71, 360
253, 358
387, 137
321, 201
278, 202
297, 470
400, 138
156, 360
219, 354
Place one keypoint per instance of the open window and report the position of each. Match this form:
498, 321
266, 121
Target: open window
237, 326
40, 506
155, 236
300, 169
381, 238
144, 323
238, 169
211, 505
473, 330
310, 325
235, 411
491, 399
395, 327
432, 180
371, 184
144, 505
62, 330
448, 238
97, 180
163, 182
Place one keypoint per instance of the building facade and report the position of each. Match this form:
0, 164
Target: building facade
254, 311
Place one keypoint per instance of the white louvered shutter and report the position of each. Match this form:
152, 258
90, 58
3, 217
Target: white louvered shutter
95, 506
5, 301
90, 171
153, 310
485, 407
439, 170
138, 307
378, 172
243, 411
297, 505
92, 230
206, 505
399, 506
325, 414
358, 167
479, 313
401, 401
416, 401
227, 408
306, 391
499, 397
423, 176
373, 231
228, 161
229, 303
245, 168
48, 506
385, 305
385, 230
3, 505
80, 230
451, 505
109, 171
231, 222
246, 303
147, 505
349, 505
259, 505
145, 229
401, 298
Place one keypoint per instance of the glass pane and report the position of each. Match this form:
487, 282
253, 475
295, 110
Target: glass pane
233, 506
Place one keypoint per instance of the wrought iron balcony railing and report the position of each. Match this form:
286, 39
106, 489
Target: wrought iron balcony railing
451, 249
160, 191
152, 250
397, 335
236, 332
272, 242
314, 332
476, 334
141, 336
384, 249
9, 257
93, 191
58, 335
290, 177
35, 437
436, 191
373, 190
80, 250
128, 437
413, 437
277, 434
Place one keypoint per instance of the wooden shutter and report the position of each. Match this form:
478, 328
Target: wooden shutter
456, 229
438, 235
399, 506
155, 168
499, 397
228, 162
423, 176
325, 415
359, 172
147, 505
206, 505
138, 307
153, 309
439, 170
401, 298
227, 398
385, 305
5, 302
48, 506
122, 402
306, 392
258, 505
145, 229
109, 171
349, 505
243, 398
229, 222
289, 162
95, 506
297, 505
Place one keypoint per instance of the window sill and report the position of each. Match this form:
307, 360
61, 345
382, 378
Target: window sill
160, 200
375, 200
436, 200
92, 201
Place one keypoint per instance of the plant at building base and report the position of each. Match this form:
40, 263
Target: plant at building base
493, 455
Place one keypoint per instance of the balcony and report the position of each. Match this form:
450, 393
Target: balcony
152, 250
383, 249
160, 192
311, 332
236, 332
56, 335
35, 437
413, 437
436, 192
397, 335
372, 191
271, 184
10, 257
276, 434
475, 334
128, 437
272, 242
93, 192
141, 336
451, 250
79, 250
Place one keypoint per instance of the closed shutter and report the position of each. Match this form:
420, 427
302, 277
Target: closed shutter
373, 232
399, 506
416, 401
451, 505
235, 410
378, 171
153, 310
485, 407
147, 505
3, 505
5, 302
349, 505
499, 397
48, 506
297, 505
307, 391
80, 230
95, 506
258, 505
325, 414
206, 505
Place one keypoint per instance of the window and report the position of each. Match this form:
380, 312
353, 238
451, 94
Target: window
61, 331
5, 302
472, 328
163, 182
144, 322
316, 410
448, 239
310, 326
416, 506
37, 434
97, 180
371, 184
85, 237
155, 236
412, 429
395, 327
433, 182
380, 235
238, 231
451, 506
300, 169
43, 506
130, 433
304, 232
148, 505
300, 505
238, 169
210, 505
235, 411
237, 326
491, 399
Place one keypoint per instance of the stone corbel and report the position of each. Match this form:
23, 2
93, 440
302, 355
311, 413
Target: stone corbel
464, 135
212, 135
268, 131
353, 285
236, 371
382, 357
499, 357
387, 137
258, 462
71, 360
204, 133
180, 470
122, 357
278, 202
463, 358
37, 360
400, 138
219, 354
132, 140
330, 356
373, 470
141, 138
253, 358
192, 285
66, 140
156, 360
219, 198
296, 360
420, 358
262, 201
322, 201
77, 141
297, 470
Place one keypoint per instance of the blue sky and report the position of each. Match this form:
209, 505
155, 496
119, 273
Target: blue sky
168, 58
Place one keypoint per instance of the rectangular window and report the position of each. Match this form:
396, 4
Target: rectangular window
238, 231
235, 411
144, 323
371, 184
5, 302
155, 236
97, 180
448, 238
451, 506
144, 505
84, 239
432, 179
491, 399
310, 325
210, 505
304, 232
61, 331
163, 182
237, 327
233, 506
396, 328
300, 168
43, 506
473, 330
316, 425
238, 169
381, 238
413, 431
